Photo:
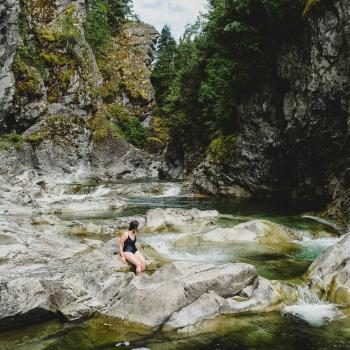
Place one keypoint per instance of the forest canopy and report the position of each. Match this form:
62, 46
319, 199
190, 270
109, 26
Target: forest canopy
225, 55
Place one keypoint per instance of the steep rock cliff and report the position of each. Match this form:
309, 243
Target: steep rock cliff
66, 103
294, 131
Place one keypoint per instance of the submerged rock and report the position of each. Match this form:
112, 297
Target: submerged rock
259, 231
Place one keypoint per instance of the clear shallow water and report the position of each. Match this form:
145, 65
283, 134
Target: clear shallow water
277, 330
262, 331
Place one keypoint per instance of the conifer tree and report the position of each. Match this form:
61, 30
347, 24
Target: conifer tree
165, 67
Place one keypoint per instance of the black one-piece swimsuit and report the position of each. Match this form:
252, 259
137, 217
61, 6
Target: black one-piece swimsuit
130, 246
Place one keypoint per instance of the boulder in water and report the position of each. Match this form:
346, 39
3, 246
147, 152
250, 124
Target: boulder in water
329, 274
173, 219
259, 231
184, 293
263, 297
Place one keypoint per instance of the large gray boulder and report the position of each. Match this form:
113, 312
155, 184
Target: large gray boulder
329, 274
176, 220
259, 231
184, 293
47, 276
260, 296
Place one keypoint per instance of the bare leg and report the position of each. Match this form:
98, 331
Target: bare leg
131, 258
141, 258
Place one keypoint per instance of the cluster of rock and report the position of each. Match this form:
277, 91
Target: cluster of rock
45, 273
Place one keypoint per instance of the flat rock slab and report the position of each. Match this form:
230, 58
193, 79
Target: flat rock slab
151, 300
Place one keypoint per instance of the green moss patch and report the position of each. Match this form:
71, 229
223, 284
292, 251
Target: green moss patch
59, 128
222, 149
8, 141
115, 120
28, 79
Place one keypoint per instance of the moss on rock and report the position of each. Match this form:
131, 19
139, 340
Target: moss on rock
29, 82
8, 141
60, 128
222, 149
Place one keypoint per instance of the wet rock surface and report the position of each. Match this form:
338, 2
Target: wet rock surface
329, 273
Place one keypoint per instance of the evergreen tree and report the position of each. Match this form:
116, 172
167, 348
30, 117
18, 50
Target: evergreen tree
104, 18
224, 57
164, 68
118, 11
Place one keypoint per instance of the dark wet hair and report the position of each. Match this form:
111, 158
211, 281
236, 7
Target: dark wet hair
133, 225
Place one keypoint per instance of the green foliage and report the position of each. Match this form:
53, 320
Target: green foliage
56, 47
100, 127
8, 141
97, 28
222, 149
164, 69
28, 79
114, 119
64, 34
104, 18
28, 67
220, 60
134, 132
118, 12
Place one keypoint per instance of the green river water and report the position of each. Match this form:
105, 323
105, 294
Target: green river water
273, 330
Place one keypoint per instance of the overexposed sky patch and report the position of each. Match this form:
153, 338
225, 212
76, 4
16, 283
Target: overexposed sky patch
176, 13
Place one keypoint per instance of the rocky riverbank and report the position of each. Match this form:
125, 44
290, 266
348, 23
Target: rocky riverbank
53, 266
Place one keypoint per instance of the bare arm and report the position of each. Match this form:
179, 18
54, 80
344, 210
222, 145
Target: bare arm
122, 239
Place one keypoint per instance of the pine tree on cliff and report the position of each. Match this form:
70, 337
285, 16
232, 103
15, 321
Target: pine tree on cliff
164, 69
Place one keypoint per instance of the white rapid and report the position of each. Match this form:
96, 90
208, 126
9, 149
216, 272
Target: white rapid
171, 190
311, 309
320, 243
61, 195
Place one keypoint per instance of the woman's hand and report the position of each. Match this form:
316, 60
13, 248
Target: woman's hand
123, 259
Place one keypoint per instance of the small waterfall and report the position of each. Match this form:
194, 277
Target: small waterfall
171, 190
101, 191
61, 195
311, 309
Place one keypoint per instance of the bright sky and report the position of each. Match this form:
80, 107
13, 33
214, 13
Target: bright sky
176, 13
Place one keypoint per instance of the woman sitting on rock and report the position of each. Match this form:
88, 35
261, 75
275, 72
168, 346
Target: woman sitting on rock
128, 250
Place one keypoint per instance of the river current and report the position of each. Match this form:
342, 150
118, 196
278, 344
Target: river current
308, 324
